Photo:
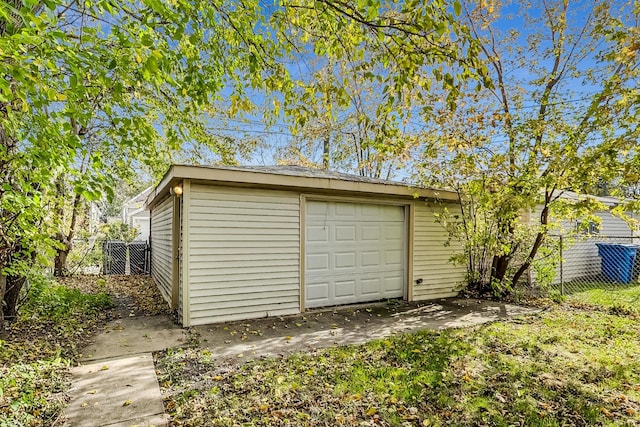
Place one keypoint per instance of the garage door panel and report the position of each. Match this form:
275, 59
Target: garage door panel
370, 259
345, 288
318, 262
394, 232
317, 292
317, 233
393, 258
394, 284
343, 210
370, 232
355, 253
345, 233
370, 286
345, 260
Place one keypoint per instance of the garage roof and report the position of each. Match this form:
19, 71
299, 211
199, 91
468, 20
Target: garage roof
292, 178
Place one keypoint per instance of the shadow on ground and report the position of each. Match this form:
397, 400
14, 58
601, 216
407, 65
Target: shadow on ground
345, 326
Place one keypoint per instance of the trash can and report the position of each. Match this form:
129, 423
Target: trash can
114, 257
138, 257
617, 261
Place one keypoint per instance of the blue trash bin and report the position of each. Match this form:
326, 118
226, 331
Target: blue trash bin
617, 261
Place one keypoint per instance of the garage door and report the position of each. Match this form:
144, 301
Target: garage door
353, 253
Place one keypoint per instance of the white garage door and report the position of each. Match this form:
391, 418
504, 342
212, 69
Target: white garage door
353, 253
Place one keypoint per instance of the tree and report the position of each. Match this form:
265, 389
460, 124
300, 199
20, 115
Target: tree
561, 114
89, 88
359, 137
354, 102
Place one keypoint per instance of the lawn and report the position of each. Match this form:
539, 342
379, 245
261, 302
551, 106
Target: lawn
576, 363
565, 366
37, 349
605, 295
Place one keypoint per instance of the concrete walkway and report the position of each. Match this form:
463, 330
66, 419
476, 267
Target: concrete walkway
120, 392
350, 325
118, 386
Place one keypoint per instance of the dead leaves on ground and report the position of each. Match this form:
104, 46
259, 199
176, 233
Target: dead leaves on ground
136, 294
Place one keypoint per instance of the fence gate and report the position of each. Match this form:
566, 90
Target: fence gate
119, 257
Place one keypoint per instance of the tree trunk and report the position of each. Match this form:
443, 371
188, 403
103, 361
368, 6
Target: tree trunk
544, 221
499, 267
326, 153
12, 296
60, 262
3, 288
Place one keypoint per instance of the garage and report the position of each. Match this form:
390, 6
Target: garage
236, 243
354, 252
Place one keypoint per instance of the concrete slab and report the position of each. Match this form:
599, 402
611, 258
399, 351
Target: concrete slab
121, 392
346, 326
135, 335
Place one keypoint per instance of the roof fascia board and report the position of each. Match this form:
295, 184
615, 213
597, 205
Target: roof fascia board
271, 180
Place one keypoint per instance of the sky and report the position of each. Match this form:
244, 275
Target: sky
574, 94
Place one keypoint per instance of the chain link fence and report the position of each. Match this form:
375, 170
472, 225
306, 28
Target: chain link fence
97, 256
582, 263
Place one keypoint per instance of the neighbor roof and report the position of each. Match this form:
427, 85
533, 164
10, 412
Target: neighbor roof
292, 177
576, 197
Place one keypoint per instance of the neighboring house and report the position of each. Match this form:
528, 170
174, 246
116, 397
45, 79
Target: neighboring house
136, 215
579, 251
231, 243
95, 218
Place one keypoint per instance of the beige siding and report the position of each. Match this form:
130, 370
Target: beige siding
161, 246
440, 278
244, 253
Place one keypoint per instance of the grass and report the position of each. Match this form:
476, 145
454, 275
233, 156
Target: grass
38, 349
625, 299
566, 366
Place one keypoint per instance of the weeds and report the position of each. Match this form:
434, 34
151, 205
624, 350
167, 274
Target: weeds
39, 347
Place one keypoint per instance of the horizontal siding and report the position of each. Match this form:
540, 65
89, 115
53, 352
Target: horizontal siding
431, 255
244, 253
161, 246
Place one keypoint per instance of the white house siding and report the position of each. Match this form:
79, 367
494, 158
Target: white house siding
431, 255
580, 253
161, 246
244, 253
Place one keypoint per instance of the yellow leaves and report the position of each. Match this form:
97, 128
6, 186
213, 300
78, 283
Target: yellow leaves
217, 378
104, 368
127, 403
264, 407
356, 396
371, 412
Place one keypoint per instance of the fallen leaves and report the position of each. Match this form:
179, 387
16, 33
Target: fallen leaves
501, 374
